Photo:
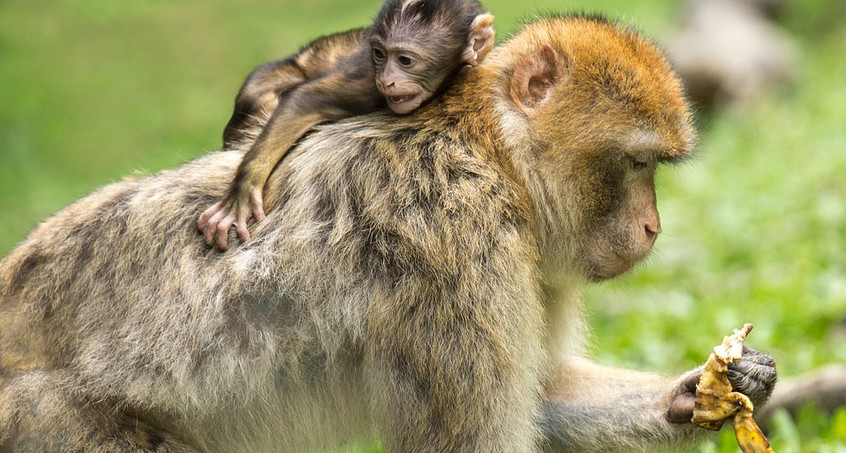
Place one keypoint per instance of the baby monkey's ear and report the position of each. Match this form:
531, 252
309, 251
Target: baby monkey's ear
480, 41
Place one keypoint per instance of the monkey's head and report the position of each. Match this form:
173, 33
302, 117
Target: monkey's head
419, 45
600, 108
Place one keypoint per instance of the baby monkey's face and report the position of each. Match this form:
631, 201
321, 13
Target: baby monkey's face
406, 75
416, 54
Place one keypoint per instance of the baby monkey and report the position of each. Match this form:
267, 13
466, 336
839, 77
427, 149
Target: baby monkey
413, 50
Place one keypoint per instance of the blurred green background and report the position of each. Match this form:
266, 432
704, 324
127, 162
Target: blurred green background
754, 228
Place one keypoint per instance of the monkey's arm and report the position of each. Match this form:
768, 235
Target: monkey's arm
591, 407
340, 94
259, 97
261, 91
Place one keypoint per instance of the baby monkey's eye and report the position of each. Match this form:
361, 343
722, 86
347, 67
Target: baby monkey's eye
405, 60
378, 55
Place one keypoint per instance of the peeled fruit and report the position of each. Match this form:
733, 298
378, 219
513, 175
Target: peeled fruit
716, 402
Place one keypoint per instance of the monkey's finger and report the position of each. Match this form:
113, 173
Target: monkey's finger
241, 229
223, 231
682, 405
243, 215
691, 380
681, 408
211, 227
203, 221
257, 205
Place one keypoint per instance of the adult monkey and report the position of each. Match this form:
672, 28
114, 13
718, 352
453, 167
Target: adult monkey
419, 282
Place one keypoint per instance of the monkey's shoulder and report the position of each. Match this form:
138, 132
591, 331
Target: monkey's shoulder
325, 53
399, 171
346, 39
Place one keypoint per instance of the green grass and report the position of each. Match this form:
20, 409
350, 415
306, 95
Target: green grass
755, 227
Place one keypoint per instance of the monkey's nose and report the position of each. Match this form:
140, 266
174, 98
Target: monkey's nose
652, 231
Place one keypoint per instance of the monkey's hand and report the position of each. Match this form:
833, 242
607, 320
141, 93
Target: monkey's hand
734, 379
236, 208
754, 375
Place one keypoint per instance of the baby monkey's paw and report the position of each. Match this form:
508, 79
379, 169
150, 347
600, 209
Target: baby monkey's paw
235, 209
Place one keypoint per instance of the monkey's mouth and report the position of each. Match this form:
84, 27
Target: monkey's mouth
405, 103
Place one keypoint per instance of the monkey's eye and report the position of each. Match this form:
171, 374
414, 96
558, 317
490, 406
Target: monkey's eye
378, 55
405, 60
638, 164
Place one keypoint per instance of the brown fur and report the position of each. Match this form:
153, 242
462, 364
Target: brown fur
411, 52
260, 93
416, 279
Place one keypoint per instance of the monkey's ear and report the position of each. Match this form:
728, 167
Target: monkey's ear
535, 78
481, 40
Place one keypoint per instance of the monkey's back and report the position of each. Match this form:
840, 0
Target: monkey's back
118, 295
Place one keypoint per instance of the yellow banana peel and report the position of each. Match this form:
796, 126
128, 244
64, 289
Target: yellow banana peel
716, 402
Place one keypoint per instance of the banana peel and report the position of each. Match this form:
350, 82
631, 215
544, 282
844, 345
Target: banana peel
716, 402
